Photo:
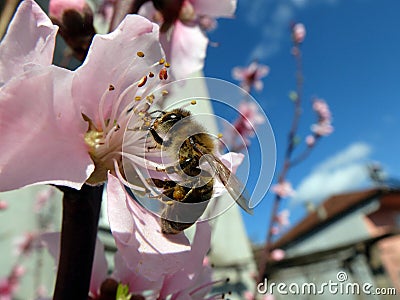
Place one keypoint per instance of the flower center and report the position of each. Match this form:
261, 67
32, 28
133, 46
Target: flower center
123, 124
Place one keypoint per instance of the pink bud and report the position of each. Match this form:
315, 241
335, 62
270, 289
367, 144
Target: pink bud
58, 7
299, 33
275, 230
248, 295
18, 271
283, 189
310, 140
278, 254
3, 205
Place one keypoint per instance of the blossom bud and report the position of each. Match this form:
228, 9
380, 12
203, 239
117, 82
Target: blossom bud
310, 140
3, 205
278, 254
57, 8
298, 33
75, 19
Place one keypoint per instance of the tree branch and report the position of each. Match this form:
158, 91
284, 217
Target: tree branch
81, 210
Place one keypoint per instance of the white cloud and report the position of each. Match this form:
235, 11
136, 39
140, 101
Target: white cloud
274, 17
342, 172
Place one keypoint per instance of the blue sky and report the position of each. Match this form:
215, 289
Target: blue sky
351, 59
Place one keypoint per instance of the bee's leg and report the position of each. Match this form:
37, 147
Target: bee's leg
152, 147
164, 197
188, 166
156, 136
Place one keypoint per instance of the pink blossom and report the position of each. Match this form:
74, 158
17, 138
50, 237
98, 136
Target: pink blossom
58, 7
275, 230
322, 109
139, 238
278, 254
3, 205
250, 117
283, 217
182, 25
43, 197
207, 23
25, 244
74, 107
323, 127
244, 126
195, 277
250, 76
248, 295
41, 292
187, 277
9, 285
283, 189
232, 161
6, 289
299, 33
310, 140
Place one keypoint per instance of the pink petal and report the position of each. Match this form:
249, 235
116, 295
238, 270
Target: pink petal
239, 73
194, 262
262, 71
278, 254
30, 39
186, 50
212, 8
137, 284
232, 161
121, 221
258, 85
99, 269
112, 59
42, 132
139, 239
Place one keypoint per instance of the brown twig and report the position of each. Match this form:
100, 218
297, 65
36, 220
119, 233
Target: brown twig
287, 160
81, 210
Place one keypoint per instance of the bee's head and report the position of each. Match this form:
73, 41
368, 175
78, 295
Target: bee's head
172, 117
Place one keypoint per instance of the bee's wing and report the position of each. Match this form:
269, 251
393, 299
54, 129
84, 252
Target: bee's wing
233, 185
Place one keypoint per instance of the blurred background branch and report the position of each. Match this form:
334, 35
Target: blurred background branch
7, 9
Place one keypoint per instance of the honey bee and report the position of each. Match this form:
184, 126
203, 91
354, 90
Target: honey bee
187, 142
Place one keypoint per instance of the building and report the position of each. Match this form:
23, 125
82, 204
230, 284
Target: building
351, 239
